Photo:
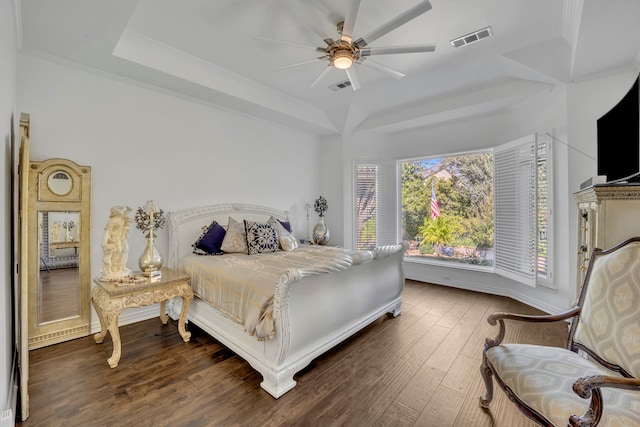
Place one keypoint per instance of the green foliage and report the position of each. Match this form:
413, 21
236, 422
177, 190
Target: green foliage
414, 205
440, 231
464, 189
427, 248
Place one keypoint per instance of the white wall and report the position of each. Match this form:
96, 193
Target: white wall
146, 144
332, 189
8, 124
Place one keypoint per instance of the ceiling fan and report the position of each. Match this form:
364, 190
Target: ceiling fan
345, 52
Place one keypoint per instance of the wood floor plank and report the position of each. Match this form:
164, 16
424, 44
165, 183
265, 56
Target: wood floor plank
397, 415
455, 341
421, 388
460, 377
419, 369
451, 318
474, 345
442, 409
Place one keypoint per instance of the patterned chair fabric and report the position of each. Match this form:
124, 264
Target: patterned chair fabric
604, 341
610, 315
543, 378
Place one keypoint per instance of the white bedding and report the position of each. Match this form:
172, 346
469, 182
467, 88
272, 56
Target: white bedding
242, 286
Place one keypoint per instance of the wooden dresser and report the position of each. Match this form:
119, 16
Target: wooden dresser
607, 215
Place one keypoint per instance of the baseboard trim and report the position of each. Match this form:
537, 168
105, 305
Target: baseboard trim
8, 415
487, 289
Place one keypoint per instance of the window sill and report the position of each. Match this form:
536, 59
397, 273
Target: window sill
458, 265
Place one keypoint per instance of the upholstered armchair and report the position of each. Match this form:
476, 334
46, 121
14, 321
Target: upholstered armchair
594, 380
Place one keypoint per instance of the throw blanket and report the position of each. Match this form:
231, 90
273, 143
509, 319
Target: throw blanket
242, 286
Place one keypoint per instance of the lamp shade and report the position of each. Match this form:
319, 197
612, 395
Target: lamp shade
151, 207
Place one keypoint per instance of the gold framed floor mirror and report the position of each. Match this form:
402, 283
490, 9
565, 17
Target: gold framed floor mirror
54, 254
58, 220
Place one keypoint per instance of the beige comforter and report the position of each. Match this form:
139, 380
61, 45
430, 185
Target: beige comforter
242, 286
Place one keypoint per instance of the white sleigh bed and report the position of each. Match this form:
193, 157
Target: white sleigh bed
312, 311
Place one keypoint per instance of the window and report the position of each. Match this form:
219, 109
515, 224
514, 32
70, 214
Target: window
490, 209
447, 208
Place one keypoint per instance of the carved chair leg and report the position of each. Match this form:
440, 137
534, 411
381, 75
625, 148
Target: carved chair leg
487, 376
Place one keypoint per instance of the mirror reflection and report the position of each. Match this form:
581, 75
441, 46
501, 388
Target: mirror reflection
59, 280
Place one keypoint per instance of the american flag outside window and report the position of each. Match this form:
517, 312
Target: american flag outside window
435, 210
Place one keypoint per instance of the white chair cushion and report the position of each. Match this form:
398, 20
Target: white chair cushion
610, 318
543, 378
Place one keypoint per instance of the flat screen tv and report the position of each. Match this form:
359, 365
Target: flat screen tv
619, 139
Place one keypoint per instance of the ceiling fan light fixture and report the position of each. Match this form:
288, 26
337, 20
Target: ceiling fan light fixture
343, 53
342, 61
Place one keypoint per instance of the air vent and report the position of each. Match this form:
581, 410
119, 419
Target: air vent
472, 37
339, 86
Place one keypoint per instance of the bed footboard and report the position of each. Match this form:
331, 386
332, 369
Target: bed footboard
317, 313
312, 314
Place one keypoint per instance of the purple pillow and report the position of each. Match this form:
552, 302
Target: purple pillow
286, 225
211, 240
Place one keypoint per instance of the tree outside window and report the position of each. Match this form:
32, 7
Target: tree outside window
447, 208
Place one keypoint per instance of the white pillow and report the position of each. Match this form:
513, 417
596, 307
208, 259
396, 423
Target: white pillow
288, 242
281, 231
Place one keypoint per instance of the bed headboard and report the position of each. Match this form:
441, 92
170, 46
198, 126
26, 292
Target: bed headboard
185, 225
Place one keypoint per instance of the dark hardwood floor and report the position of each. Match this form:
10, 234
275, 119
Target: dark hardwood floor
419, 369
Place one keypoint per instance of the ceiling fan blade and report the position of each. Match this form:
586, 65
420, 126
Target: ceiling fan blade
367, 51
326, 70
353, 78
350, 21
286, 67
403, 18
288, 43
382, 68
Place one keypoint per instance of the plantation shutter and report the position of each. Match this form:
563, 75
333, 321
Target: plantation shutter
374, 210
543, 142
515, 186
366, 207
387, 204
